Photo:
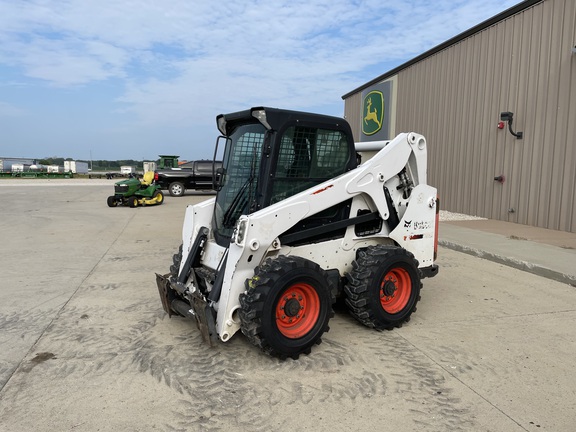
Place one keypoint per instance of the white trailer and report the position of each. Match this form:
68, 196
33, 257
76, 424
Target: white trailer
55, 169
127, 169
18, 167
76, 167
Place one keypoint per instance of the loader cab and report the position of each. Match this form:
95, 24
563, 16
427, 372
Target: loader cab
272, 154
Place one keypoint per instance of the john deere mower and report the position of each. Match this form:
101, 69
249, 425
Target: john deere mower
133, 192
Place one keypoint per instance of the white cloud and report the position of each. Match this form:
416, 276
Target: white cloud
65, 63
181, 62
301, 55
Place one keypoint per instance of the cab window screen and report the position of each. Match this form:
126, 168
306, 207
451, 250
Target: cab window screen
306, 157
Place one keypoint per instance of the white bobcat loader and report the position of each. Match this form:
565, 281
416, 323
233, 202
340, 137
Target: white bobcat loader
296, 224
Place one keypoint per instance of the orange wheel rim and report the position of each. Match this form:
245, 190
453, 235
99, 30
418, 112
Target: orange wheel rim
297, 310
395, 290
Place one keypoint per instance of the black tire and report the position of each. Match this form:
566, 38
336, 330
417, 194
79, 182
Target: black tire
176, 189
133, 202
159, 197
111, 201
272, 305
384, 286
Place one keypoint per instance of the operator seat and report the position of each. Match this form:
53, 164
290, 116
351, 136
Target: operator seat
147, 179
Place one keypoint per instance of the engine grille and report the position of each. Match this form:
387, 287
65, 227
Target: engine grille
121, 188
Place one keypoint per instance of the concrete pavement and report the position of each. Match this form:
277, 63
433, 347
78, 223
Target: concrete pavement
86, 346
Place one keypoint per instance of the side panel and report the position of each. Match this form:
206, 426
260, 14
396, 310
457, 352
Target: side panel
196, 216
416, 230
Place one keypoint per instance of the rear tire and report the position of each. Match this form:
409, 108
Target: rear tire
286, 306
176, 189
383, 288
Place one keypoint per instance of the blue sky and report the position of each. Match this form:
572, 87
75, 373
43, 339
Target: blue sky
131, 79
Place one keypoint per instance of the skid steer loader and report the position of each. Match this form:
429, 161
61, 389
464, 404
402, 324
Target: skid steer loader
297, 223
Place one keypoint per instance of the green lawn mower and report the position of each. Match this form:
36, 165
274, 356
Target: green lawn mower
133, 192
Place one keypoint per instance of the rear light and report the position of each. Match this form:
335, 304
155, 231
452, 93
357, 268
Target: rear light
155, 176
436, 227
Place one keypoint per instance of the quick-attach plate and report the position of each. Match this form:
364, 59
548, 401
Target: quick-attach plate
199, 305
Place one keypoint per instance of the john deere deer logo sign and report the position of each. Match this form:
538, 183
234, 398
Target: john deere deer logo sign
373, 113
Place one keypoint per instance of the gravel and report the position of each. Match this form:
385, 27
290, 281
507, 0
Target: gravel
446, 216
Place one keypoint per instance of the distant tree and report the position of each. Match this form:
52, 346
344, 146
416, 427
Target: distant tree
53, 160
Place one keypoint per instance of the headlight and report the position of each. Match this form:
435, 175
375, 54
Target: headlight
260, 115
240, 230
221, 123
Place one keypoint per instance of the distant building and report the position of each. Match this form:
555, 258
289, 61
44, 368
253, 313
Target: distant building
6, 163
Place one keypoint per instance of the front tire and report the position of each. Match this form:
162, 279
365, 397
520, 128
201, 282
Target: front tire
133, 202
176, 189
159, 197
111, 201
286, 306
384, 286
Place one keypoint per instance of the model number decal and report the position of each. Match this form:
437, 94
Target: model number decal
417, 225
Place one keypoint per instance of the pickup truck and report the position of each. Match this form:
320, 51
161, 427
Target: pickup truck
196, 175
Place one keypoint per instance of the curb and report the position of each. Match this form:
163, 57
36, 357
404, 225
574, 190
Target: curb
512, 262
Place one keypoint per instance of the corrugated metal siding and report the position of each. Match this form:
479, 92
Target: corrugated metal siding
522, 64
353, 114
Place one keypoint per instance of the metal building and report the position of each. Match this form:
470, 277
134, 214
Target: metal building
522, 61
